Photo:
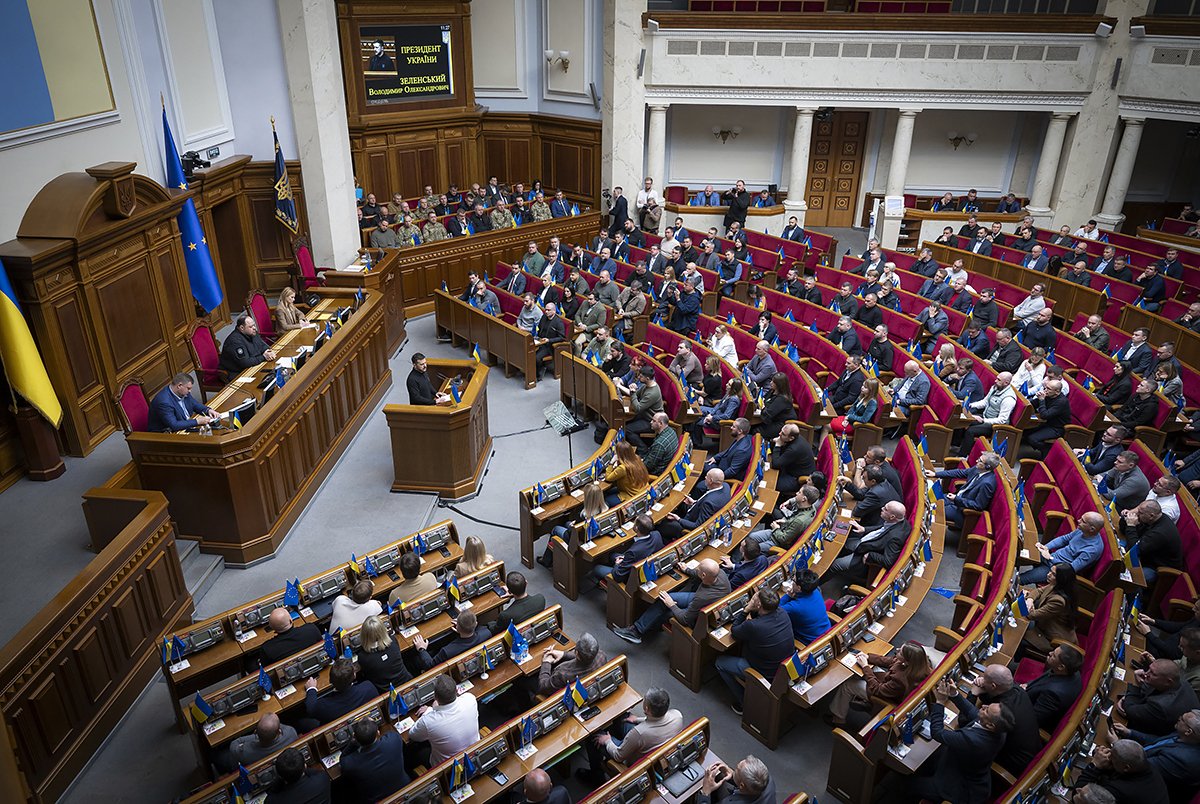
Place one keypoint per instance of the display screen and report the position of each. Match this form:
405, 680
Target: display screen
403, 63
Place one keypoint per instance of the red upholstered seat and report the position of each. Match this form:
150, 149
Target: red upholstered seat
207, 357
133, 407
308, 269
256, 305
676, 194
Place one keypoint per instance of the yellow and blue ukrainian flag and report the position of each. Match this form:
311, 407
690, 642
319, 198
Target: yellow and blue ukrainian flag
202, 274
18, 353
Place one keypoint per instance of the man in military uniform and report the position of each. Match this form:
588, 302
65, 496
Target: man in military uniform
434, 230
244, 347
408, 234
501, 217
384, 236
539, 208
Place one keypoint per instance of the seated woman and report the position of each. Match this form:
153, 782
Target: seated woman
1170, 384
764, 330
379, 659
287, 314
1119, 387
593, 505
475, 557
1032, 371
627, 476
712, 382
944, 362
712, 415
777, 408
862, 410
722, 345
1051, 613
901, 674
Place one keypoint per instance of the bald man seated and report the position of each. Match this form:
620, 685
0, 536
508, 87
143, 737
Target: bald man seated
1122, 770
870, 548
270, 736
290, 637
539, 789
683, 606
995, 685
1157, 699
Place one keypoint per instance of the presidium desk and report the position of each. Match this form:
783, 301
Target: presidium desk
443, 448
240, 491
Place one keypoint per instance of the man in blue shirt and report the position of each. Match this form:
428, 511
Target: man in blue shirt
1080, 548
805, 606
174, 408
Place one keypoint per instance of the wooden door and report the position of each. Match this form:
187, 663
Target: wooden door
835, 166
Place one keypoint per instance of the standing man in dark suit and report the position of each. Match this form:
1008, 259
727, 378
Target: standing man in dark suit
550, 330
619, 212
738, 201
523, 605
174, 408
963, 773
1054, 692
976, 492
420, 389
373, 765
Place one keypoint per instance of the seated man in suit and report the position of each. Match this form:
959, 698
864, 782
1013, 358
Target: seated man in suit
289, 638
877, 492
1054, 411
934, 322
844, 337
750, 563
846, 388
683, 606
976, 492
695, 510
344, 697
269, 737
646, 542
964, 765
995, 686
539, 789
298, 783
522, 605
415, 584
748, 783
174, 408
1125, 484
765, 633
1176, 758
467, 634
1054, 692
373, 765
870, 548
911, 389
1157, 699
560, 668
244, 347
733, 461
1121, 771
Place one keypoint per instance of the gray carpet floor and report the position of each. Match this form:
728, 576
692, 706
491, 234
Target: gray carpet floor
354, 512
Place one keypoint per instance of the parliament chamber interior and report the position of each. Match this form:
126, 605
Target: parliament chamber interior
615, 401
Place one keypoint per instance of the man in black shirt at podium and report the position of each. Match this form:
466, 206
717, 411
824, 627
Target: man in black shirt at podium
420, 389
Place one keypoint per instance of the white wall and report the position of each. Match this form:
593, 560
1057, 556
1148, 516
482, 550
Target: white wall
936, 166
695, 157
28, 167
509, 40
1168, 163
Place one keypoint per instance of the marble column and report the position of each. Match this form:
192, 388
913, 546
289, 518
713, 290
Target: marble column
798, 175
656, 146
1110, 216
901, 148
1047, 168
314, 69
623, 97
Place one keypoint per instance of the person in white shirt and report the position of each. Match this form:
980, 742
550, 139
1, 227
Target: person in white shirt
1032, 304
1164, 492
668, 243
646, 193
1031, 371
1088, 231
955, 271
722, 345
349, 611
449, 726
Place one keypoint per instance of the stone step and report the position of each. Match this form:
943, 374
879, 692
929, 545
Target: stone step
201, 571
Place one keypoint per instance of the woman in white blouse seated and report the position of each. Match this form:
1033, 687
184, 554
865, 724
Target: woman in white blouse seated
721, 344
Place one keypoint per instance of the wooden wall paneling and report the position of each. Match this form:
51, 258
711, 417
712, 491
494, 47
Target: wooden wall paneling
12, 457
72, 672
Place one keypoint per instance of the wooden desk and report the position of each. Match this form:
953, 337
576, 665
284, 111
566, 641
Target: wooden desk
240, 491
452, 439
643, 775
469, 327
382, 278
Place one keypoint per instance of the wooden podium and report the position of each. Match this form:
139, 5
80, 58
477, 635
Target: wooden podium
443, 448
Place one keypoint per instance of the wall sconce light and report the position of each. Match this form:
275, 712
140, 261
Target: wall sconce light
957, 139
562, 57
726, 134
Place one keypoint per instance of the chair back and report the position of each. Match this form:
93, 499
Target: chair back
304, 261
256, 304
676, 194
133, 409
205, 354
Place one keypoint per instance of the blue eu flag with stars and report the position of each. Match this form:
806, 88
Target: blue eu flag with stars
202, 274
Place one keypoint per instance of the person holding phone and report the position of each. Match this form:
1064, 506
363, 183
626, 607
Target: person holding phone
748, 783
